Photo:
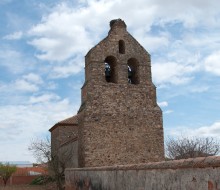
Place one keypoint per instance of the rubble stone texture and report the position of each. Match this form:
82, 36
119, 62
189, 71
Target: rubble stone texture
189, 174
119, 119
64, 141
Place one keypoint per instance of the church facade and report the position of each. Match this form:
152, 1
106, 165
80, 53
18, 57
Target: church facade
119, 121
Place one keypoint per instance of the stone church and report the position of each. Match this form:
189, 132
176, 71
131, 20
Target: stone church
119, 121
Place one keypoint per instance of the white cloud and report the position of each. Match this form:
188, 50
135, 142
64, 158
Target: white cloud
51, 85
69, 31
27, 83
168, 111
152, 43
11, 59
72, 67
44, 98
24, 85
212, 63
23, 122
212, 130
60, 36
203, 40
14, 36
15, 61
11, 149
190, 12
172, 73
31, 77
163, 104
198, 89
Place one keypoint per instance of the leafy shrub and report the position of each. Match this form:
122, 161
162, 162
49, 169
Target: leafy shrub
41, 180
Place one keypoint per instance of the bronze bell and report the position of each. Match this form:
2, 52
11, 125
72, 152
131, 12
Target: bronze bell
130, 73
107, 72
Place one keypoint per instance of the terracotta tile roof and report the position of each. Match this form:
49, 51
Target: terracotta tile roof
30, 170
69, 121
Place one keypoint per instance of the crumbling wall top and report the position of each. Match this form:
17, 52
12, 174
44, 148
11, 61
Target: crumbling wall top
117, 23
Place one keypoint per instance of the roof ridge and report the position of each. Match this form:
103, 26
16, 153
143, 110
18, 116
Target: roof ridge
73, 120
69, 119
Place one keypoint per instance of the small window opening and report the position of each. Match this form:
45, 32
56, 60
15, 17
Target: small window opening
110, 69
121, 44
133, 73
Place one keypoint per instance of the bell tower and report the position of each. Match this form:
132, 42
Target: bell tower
119, 119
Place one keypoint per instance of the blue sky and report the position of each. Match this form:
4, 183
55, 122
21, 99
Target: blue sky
42, 49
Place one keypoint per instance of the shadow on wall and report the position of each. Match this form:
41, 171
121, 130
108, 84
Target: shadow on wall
84, 184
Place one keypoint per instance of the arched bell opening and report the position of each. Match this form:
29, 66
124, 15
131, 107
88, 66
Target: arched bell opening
110, 69
133, 72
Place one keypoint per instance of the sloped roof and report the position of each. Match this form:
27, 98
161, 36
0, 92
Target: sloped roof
30, 171
69, 121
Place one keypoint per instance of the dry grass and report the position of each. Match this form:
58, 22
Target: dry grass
27, 187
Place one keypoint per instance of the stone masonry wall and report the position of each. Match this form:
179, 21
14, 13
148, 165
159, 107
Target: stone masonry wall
67, 133
119, 123
124, 128
54, 141
189, 174
64, 144
63, 134
68, 153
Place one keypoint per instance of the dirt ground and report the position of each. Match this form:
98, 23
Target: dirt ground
28, 187
22, 187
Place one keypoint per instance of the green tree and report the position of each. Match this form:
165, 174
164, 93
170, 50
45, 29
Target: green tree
6, 170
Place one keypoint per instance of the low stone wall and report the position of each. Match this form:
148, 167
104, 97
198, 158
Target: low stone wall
188, 174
